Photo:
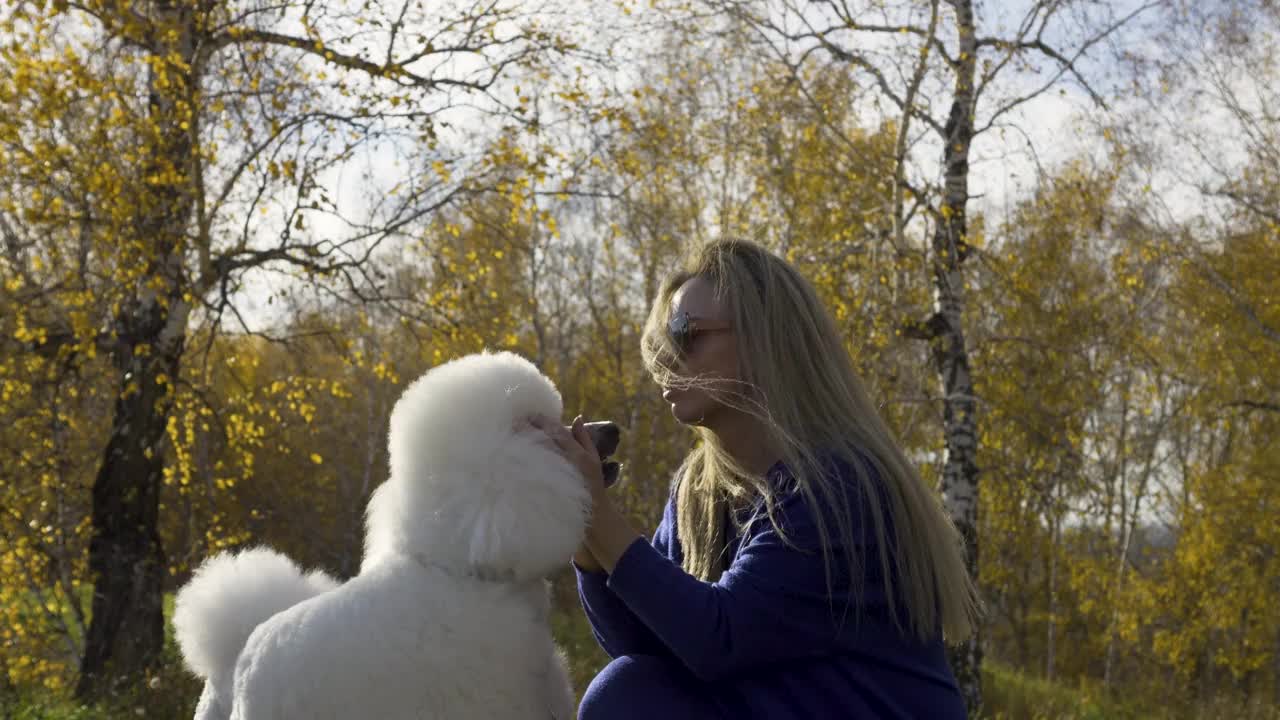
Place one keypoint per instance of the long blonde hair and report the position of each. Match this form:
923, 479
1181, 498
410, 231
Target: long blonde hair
799, 382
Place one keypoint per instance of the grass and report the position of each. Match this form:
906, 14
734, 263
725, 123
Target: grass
574, 637
170, 693
1009, 693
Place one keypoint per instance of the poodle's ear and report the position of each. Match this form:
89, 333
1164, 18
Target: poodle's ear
381, 523
537, 517
519, 517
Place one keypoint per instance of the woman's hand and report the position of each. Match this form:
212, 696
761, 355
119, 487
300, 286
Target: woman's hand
581, 455
608, 533
575, 444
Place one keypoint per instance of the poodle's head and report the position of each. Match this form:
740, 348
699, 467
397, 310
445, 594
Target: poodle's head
470, 488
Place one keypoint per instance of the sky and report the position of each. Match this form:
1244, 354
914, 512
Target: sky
1008, 161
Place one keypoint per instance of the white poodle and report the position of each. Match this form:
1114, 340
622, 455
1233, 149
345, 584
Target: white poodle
448, 617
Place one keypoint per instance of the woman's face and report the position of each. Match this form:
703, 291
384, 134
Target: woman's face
710, 355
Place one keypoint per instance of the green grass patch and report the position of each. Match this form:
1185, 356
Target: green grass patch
1013, 695
170, 693
573, 634
1009, 693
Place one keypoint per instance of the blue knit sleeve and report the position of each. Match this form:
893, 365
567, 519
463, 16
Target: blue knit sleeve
772, 604
617, 630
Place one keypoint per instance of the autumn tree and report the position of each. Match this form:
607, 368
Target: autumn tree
1115, 446
719, 140
156, 156
948, 72
1044, 340
1205, 132
1206, 128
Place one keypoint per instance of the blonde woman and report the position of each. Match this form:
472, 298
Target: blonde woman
801, 569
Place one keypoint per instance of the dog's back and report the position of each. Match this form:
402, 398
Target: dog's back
406, 640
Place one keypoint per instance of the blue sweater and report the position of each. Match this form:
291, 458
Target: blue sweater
764, 638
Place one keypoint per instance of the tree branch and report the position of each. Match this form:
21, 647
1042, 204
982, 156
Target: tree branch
1065, 65
1255, 405
934, 327
396, 71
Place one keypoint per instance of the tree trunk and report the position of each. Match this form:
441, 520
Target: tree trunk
950, 355
1050, 632
126, 559
1275, 670
8, 693
1122, 475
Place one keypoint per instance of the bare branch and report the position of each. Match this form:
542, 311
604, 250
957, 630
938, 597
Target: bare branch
1255, 405
1065, 64
767, 30
1248, 202
900, 144
849, 22
397, 72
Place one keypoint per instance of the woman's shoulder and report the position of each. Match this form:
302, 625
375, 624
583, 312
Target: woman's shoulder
847, 469
846, 479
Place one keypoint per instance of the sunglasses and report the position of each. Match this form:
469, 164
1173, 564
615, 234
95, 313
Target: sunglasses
683, 330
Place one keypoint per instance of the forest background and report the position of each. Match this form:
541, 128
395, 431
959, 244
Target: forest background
1049, 229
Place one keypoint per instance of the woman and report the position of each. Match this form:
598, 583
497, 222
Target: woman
801, 569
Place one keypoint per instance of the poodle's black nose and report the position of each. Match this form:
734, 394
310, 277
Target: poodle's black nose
604, 435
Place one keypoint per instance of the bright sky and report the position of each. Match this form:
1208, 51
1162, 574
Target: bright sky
1007, 160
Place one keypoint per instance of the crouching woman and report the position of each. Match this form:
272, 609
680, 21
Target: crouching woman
802, 568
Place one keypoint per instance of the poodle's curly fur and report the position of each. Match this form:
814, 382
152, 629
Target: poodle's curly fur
448, 617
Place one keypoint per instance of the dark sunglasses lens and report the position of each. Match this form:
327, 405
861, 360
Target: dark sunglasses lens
678, 329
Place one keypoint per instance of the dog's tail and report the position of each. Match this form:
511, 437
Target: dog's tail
229, 595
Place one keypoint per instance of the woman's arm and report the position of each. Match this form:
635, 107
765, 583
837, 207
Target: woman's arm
617, 630
772, 605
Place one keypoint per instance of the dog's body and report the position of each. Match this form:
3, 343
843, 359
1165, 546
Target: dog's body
448, 617
444, 647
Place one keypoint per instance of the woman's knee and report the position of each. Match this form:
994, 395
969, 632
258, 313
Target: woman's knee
643, 687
